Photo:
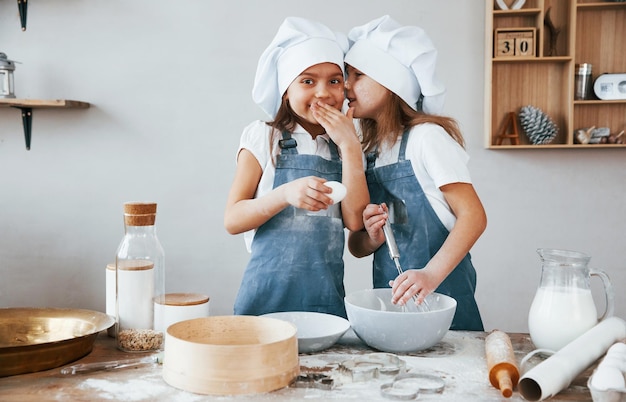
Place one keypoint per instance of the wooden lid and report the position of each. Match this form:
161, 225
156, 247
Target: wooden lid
183, 299
111, 266
140, 213
135, 265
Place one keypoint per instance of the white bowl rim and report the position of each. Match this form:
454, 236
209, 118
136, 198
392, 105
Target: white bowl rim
452, 300
343, 324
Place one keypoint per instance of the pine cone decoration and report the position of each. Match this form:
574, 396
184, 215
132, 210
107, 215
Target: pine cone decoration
537, 125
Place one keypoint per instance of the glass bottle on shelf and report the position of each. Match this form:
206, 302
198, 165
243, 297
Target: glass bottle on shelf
140, 280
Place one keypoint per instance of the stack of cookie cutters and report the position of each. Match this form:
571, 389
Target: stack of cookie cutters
373, 365
408, 386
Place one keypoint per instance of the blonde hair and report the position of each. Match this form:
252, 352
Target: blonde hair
396, 117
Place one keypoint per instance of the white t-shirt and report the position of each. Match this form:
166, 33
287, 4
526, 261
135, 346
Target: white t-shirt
437, 160
255, 138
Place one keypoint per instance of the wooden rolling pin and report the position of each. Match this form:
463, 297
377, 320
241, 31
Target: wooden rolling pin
501, 362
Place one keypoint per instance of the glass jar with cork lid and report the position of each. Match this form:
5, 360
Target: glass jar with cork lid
140, 280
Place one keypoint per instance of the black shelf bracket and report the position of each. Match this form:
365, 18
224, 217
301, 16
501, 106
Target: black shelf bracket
27, 122
22, 6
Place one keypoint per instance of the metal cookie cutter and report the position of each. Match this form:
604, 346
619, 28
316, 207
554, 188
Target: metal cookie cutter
314, 380
374, 365
389, 391
409, 385
426, 383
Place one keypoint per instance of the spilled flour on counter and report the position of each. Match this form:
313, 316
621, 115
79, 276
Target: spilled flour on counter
459, 360
135, 390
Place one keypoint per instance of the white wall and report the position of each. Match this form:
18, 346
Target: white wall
169, 83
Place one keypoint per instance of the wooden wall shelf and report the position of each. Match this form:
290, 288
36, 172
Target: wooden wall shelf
27, 105
598, 5
547, 80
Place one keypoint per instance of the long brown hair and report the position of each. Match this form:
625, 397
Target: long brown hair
396, 117
285, 120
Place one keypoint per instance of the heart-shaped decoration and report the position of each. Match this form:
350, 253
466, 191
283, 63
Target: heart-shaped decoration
510, 4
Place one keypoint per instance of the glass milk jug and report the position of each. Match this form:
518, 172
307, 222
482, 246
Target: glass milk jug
563, 307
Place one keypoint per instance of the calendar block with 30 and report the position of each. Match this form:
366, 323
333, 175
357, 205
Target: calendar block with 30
515, 42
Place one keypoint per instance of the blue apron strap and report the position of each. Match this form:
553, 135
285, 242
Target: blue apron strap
405, 140
371, 159
334, 152
287, 144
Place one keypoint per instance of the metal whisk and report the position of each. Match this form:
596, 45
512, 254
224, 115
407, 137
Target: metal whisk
394, 253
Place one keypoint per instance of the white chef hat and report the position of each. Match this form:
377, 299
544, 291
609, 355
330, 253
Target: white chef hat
401, 58
298, 45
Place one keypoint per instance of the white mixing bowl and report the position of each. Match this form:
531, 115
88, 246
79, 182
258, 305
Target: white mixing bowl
384, 326
316, 331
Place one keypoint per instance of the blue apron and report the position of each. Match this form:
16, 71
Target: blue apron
419, 233
296, 261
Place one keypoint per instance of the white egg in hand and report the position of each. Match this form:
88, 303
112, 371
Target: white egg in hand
339, 191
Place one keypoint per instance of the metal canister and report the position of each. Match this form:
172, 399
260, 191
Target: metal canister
6, 77
583, 81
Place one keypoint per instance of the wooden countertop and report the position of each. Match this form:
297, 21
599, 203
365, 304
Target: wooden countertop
458, 359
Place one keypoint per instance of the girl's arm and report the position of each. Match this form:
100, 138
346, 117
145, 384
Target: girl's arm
244, 212
353, 177
364, 242
340, 129
471, 222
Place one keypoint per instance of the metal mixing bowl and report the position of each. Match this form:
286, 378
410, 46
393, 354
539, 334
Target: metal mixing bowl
36, 339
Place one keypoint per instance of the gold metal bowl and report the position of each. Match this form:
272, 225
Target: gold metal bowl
36, 339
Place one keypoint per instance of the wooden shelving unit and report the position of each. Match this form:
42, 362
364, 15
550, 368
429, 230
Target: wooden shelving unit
27, 105
589, 32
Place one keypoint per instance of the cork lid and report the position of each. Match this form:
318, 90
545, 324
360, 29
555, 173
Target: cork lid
140, 213
183, 299
134, 265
